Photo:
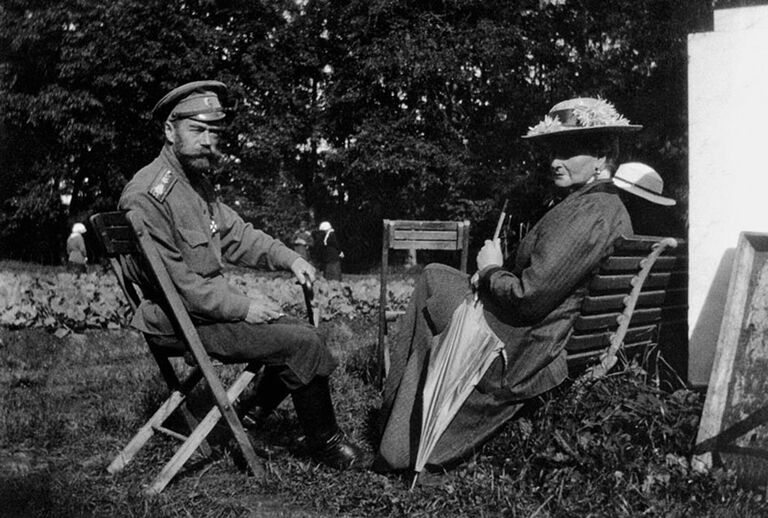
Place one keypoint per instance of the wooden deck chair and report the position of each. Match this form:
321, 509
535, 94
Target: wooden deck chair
124, 234
418, 235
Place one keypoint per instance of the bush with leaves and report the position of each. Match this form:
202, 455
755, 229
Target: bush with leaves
93, 301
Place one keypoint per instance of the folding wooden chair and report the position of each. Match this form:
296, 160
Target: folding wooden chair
124, 234
420, 235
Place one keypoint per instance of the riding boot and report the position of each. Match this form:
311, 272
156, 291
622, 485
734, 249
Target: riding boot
325, 439
269, 392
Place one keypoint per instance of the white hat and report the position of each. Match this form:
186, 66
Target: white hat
643, 181
325, 226
78, 228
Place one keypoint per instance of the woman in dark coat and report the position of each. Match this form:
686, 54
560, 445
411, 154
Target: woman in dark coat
530, 306
330, 252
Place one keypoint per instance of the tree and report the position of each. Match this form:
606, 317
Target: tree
354, 109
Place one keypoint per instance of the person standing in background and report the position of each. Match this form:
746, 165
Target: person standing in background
330, 252
77, 256
302, 240
651, 213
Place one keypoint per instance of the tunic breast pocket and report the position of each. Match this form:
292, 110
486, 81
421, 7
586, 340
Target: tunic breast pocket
197, 252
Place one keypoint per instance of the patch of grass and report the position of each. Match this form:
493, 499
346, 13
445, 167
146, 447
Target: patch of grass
616, 448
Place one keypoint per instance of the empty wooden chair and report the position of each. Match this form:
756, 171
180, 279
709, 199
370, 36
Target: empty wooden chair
419, 235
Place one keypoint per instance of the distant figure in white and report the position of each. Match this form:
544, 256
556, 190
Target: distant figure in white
77, 256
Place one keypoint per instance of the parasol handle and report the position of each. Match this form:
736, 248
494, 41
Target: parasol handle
496, 234
500, 223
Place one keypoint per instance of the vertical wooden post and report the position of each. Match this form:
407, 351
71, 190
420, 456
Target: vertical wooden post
463, 232
381, 349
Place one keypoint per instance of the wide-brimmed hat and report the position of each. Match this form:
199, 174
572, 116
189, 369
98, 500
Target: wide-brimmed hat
641, 180
198, 100
583, 115
325, 226
78, 228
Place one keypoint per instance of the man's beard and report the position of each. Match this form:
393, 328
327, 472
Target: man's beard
198, 164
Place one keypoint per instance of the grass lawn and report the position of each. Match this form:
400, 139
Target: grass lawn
619, 448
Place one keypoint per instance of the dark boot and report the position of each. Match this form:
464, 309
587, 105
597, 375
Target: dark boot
326, 442
269, 392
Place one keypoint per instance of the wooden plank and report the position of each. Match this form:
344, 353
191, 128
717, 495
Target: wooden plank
616, 302
639, 316
113, 218
612, 283
401, 224
464, 240
625, 245
578, 362
610, 320
732, 429
426, 235
382, 354
584, 342
631, 263
434, 245
122, 247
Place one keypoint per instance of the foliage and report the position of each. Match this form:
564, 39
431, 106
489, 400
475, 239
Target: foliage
357, 110
618, 447
65, 301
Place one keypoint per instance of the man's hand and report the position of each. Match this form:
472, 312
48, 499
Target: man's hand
304, 272
262, 311
490, 254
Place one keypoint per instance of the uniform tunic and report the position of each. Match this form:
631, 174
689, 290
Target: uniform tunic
531, 307
195, 234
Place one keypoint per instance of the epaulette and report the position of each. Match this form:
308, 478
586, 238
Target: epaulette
162, 185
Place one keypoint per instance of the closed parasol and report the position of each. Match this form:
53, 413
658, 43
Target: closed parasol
459, 358
462, 354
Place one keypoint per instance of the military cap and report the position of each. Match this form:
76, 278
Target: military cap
198, 100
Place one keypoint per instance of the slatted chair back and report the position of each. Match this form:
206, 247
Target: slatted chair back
414, 235
639, 289
124, 235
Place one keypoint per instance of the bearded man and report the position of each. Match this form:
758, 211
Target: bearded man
196, 234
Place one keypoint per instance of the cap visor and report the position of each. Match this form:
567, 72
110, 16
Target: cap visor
209, 117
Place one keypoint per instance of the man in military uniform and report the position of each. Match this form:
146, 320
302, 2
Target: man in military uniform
196, 233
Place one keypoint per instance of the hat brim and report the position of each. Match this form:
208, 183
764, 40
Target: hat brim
565, 132
653, 198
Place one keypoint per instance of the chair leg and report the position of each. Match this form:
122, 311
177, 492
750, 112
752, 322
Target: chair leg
201, 432
173, 382
146, 432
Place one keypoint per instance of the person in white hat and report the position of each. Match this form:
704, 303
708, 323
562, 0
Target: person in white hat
77, 256
642, 180
642, 191
330, 252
